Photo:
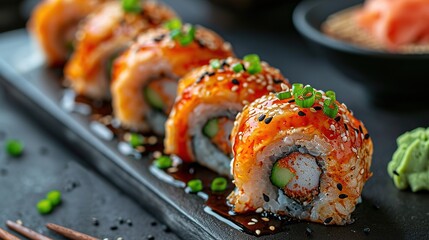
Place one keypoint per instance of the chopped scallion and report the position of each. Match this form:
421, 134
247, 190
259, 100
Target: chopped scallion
219, 184
195, 185
215, 63
284, 95
14, 148
131, 6
163, 162
330, 108
238, 67
305, 97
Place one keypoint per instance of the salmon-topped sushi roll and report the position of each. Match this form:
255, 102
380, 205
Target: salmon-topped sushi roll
145, 76
302, 154
53, 23
103, 36
209, 98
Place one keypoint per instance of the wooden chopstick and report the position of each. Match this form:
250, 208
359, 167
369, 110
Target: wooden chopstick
26, 231
69, 233
7, 236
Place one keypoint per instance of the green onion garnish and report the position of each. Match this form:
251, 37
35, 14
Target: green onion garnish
318, 95
305, 98
14, 148
188, 37
54, 197
238, 67
284, 95
173, 24
252, 58
131, 6
136, 140
255, 63
331, 94
175, 34
215, 63
296, 87
219, 184
163, 162
195, 185
44, 206
330, 108
254, 68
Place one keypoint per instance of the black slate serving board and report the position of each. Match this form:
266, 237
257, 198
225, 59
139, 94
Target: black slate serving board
385, 211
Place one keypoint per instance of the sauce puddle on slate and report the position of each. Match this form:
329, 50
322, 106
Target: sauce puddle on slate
100, 114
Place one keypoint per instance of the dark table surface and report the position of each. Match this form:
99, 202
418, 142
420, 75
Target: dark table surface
269, 33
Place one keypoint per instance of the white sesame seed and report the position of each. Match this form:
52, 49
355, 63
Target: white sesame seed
258, 231
362, 171
342, 146
254, 220
251, 223
313, 110
344, 139
295, 109
220, 78
270, 88
332, 127
234, 88
259, 210
354, 150
245, 85
251, 91
265, 219
272, 228
284, 87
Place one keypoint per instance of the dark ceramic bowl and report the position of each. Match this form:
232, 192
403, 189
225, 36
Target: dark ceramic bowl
386, 76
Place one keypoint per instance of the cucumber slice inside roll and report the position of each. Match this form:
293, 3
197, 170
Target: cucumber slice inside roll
153, 98
211, 128
280, 176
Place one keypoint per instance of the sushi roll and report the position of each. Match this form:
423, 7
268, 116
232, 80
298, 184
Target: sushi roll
209, 98
103, 36
144, 81
53, 24
302, 154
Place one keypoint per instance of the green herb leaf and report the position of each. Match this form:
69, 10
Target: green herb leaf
131, 6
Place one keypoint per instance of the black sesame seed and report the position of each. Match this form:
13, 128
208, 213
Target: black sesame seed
235, 81
366, 230
301, 113
346, 127
95, 222
366, 136
340, 186
291, 101
266, 198
342, 196
150, 237
166, 229
159, 38
317, 108
200, 43
121, 220
113, 228
261, 118
395, 172
360, 129
328, 220
277, 81
337, 119
308, 231
153, 223
129, 222
211, 74
268, 120
356, 130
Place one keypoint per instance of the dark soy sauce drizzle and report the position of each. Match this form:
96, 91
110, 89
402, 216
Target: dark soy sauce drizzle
262, 223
